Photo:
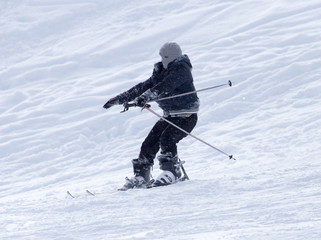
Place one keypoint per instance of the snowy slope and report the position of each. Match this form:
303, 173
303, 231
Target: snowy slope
60, 61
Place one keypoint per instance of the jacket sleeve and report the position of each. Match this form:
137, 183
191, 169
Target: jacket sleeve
140, 88
134, 92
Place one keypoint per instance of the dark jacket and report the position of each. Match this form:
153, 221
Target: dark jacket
176, 79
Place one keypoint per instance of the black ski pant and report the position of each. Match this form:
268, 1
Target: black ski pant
164, 136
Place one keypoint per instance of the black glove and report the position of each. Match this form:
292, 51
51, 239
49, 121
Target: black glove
111, 102
141, 101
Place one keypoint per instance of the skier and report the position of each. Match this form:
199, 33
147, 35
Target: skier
170, 77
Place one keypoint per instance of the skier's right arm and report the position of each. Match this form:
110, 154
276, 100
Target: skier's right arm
135, 91
129, 95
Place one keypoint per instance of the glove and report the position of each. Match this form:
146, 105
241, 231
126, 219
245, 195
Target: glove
141, 101
111, 102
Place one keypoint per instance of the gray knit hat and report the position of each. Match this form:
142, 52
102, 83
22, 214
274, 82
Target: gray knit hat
169, 52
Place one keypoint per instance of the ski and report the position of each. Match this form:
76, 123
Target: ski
151, 184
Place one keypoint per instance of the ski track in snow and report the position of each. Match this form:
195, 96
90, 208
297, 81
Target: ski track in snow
60, 61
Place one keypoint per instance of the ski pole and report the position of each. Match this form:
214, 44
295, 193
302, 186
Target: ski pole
147, 107
200, 90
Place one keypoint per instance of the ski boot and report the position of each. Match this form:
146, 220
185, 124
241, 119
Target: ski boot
171, 173
142, 175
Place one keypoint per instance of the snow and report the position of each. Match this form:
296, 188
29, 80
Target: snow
60, 61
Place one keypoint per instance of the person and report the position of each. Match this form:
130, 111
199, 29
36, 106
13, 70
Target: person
171, 76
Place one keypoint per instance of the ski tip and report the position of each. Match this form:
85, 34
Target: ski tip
72, 196
90, 193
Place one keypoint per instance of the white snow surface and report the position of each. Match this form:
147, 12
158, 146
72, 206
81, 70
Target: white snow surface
61, 60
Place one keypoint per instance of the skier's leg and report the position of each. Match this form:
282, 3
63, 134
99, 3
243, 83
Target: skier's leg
151, 144
168, 160
172, 135
143, 164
